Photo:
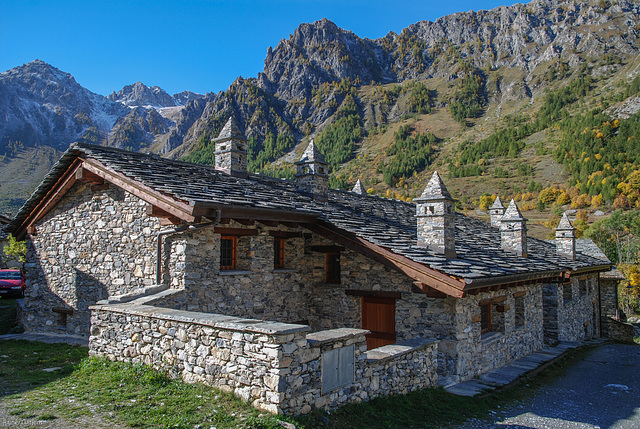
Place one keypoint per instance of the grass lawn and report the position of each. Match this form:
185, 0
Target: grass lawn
58, 382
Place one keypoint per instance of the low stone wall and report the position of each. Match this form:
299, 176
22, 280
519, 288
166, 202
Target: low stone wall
278, 367
617, 330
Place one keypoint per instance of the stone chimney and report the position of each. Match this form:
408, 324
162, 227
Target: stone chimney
496, 211
359, 189
566, 238
513, 231
435, 214
231, 150
312, 176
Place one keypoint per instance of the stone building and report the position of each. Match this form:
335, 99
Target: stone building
290, 294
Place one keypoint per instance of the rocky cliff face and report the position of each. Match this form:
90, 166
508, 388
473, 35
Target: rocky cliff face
527, 39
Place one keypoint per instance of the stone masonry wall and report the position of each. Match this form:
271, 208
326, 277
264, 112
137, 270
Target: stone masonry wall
92, 245
477, 353
277, 367
578, 318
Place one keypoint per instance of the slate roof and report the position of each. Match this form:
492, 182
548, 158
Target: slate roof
588, 247
387, 223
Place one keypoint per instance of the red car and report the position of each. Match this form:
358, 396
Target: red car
12, 283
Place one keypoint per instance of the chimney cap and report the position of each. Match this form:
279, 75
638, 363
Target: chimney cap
497, 204
512, 213
311, 154
435, 190
565, 223
230, 130
359, 188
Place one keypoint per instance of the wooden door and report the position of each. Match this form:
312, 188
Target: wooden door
379, 317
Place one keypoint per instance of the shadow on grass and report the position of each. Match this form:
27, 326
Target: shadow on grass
25, 365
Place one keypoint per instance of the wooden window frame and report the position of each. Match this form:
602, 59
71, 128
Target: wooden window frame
279, 244
234, 253
332, 268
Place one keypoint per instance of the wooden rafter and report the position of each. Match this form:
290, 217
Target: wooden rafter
55, 194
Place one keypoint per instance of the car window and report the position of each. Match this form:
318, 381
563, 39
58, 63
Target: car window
10, 275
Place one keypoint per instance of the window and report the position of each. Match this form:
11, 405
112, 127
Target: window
278, 252
228, 251
485, 318
583, 286
332, 267
519, 311
567, 292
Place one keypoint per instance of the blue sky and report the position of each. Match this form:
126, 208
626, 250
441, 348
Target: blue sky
199, 45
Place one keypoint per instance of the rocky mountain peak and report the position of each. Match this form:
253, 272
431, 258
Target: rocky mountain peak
140, 95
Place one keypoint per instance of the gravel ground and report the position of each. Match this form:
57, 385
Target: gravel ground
602, 391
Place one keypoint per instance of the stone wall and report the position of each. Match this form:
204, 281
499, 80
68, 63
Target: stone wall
278, 367
617, 330
91, 245
476, 353
578, 318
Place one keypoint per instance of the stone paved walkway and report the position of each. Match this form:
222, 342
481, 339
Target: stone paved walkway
509, 373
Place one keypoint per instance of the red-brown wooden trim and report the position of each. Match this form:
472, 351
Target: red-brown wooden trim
175, 207
419, 272
235, 231
285, 234
503, 308
492, 300
330, 248
87, 176
171, 220
519, 294
373, 293
55, 194
246, 222
253, 213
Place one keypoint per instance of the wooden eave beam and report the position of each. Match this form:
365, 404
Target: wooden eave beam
253, 213
170, 205
431, 278
55, 194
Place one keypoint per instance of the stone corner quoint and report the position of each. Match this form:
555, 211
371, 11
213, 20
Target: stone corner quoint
287, 293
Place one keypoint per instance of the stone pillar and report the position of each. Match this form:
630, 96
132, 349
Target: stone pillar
496, 212
312, 176
435, 214
513, 231
231, 150
566, 238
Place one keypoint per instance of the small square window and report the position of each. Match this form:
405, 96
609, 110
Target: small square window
332, 267
278, 252
228, 252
